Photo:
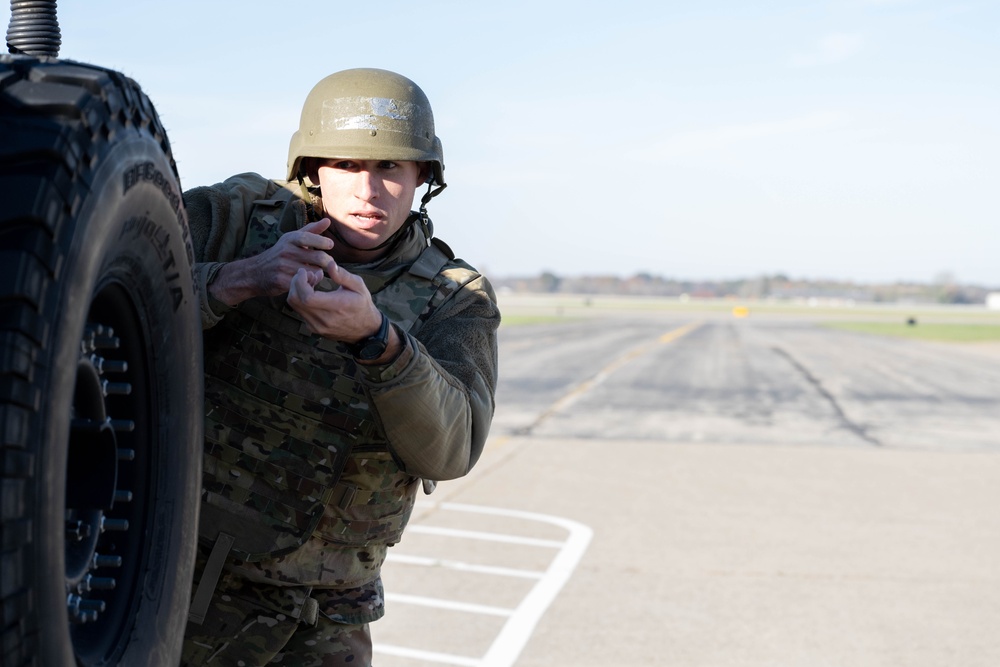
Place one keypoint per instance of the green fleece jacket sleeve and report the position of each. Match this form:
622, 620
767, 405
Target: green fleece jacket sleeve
217, 215
436, 409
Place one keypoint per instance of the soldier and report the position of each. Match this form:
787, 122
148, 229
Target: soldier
350, 359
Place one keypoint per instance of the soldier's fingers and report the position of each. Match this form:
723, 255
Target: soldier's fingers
301, 287
316, 258
317, 227
311, 240
345, 278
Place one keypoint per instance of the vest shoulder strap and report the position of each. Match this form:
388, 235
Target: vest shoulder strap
432, 260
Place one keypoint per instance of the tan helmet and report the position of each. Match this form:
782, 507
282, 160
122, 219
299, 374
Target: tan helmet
367, 114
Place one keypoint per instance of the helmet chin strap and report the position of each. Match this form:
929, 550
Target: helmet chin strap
431, 193
425, 221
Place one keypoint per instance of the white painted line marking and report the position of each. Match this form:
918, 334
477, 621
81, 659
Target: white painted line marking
451, 605
427, 656
463, 567
479, 535
521, 625
521, 621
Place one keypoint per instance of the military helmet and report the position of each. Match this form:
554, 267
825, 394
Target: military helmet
367, 114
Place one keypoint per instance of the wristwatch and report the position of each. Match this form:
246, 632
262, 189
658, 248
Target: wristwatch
374, 346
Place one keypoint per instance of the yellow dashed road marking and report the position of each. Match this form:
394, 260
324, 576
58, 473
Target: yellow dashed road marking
606, 372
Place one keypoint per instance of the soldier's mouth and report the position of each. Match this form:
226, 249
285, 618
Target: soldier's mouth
368, 219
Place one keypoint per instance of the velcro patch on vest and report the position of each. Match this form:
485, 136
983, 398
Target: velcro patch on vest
379, 502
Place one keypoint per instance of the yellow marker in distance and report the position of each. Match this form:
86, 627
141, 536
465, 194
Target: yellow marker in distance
741, 311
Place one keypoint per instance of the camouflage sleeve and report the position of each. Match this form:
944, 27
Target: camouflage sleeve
437, 409
218, 215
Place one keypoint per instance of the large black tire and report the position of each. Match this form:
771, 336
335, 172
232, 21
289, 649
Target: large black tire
100, 373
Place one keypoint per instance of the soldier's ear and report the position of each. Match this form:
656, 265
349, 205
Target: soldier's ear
310, 166
425, 174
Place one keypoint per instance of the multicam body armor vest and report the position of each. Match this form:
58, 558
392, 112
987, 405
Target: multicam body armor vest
285, 409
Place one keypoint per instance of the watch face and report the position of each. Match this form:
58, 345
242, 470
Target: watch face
371, 349
374, 346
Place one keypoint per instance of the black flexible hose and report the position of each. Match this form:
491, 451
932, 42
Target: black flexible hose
34, 28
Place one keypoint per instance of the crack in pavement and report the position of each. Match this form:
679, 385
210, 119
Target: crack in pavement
846, 422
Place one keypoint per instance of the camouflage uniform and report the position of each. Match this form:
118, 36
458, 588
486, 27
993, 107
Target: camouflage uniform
372, 433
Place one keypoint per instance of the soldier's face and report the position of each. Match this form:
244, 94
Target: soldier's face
368, 200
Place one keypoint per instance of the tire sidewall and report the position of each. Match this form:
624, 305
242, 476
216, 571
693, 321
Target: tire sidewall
132, 229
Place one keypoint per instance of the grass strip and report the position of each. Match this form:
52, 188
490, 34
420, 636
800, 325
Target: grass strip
939, 331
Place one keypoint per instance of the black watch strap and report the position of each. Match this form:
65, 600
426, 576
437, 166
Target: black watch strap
374, 346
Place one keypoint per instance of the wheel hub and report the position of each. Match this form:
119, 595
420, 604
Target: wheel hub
92, 478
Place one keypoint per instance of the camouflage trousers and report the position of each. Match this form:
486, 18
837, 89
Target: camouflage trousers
250, 624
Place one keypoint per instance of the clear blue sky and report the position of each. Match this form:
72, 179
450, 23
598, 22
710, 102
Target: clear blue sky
850, 139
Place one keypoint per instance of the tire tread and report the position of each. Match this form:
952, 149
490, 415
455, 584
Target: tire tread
56, 118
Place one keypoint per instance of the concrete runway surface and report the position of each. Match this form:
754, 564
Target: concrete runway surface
694, 489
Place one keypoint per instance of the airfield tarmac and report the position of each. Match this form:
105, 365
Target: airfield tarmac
679, 486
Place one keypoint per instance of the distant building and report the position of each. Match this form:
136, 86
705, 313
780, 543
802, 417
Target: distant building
993, 300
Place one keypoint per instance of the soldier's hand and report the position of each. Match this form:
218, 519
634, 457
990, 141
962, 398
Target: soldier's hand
347, 314
270, 273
